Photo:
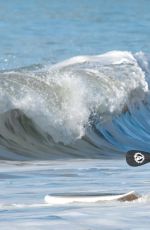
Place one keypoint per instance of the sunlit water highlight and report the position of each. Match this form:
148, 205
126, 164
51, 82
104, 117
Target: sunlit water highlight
74, 97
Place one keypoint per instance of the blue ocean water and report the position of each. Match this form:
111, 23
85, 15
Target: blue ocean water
74, 97
37, 32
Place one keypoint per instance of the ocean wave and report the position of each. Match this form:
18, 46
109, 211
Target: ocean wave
87, 106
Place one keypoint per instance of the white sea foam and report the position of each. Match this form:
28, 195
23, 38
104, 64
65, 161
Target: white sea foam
61, 98
68, 110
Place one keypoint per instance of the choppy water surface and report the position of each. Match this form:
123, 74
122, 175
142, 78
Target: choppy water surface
26, 184
74, 97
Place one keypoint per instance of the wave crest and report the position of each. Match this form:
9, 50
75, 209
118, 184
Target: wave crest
72, 102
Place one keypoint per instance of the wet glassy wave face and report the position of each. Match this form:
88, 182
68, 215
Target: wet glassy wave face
86, 106
93, 105
74, 98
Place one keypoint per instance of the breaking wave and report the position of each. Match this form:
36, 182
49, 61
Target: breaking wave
87, 106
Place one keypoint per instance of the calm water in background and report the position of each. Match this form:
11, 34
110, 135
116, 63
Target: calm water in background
43, 33
35, 32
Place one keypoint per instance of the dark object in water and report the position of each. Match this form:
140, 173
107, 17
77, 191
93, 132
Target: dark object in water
137, 158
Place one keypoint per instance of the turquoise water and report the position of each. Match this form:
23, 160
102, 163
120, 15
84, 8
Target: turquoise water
73, 119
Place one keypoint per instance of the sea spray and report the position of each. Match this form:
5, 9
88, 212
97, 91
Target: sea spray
67, 100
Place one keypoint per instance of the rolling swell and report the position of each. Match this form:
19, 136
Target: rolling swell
85, 107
